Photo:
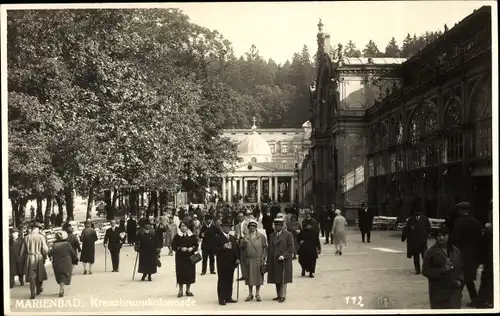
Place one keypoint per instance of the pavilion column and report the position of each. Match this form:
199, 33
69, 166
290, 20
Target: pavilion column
230, 193
241, 186
259, 185
271, 188
223, 195
276, 188
292, 190
244, 188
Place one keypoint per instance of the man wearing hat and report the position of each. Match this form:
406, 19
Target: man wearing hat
36, 251
113, 242
279, 258
228, 253
415, 234
467, 237
208, 232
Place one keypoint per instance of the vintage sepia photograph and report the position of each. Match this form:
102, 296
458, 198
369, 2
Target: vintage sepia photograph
250, 157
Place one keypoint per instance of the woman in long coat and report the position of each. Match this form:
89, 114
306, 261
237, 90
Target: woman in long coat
63, 258
338, 231
88, 239
295, 229
18, 257
185, 244
443, 267
149, 247
73, 240
255, 246
309, 248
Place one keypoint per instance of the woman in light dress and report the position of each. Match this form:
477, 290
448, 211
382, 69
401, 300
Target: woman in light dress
338, 231
255, 245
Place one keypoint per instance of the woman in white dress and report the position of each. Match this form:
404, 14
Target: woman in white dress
338, 232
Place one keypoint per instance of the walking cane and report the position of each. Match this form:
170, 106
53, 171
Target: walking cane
238, 282
282, 280
105, 259
135, 265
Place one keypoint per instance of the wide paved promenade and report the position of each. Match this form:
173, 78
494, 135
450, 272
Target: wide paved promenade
365, 272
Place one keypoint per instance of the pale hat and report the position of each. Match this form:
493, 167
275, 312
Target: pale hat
278, 220
279, 215
252, 221
61, 235
337, 211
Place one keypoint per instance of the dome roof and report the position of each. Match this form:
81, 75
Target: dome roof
254, 144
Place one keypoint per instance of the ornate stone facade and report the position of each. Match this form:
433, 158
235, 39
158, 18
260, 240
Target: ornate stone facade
431, 139
419, 128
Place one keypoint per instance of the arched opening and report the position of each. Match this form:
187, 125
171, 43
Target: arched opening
452, 118
480, 119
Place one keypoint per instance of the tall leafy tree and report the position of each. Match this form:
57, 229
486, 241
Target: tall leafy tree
392, 49
371, 50
350, 50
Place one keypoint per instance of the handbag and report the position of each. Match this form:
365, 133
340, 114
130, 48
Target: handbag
263, 269
195, 258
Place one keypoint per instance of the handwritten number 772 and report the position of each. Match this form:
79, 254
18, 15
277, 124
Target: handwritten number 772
354, 300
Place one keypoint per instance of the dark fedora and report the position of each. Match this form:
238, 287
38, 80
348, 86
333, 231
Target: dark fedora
227, 222
36, 224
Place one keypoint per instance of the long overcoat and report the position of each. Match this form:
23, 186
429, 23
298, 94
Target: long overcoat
444, 292
185, 269
63, 257
467, 236
308, 249
19, 258
88, 239
365, 219
36, 250
280, 246
415, 234
148, 245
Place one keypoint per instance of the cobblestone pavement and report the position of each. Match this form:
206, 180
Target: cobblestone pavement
354, 280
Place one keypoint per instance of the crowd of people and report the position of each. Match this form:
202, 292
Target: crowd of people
203, 235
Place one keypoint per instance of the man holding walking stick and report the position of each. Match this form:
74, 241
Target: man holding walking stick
280, 255
227, 251
113, 242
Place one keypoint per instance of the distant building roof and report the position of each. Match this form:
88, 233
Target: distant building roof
372, 61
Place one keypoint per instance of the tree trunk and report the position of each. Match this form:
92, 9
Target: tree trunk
69, 201
90, 202
163, 199
21, 213
133, 202
60, 205
115, 197
39, 210
142, 198
15, 211
110, 212
48, 208
154, 202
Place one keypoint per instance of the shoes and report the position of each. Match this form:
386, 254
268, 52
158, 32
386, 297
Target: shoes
276, 298
39, 291
311, 275
257, 298
281, 300
249, 298
231, 301
203, 273
303, 272
213, 272
61, 294
417, 272
84, 272
179, 295
189, 293
326, 242
222, 303
337, 252
149, 278
241, 279
90, 272
340, 253
143, 277
32, 297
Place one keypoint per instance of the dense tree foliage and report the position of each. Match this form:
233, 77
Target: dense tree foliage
127, 101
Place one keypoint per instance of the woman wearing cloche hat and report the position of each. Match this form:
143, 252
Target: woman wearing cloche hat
63, 258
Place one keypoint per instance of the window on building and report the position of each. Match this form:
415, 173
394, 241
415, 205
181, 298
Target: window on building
273, 148
284, 149
452, 147
481, 136
295, 148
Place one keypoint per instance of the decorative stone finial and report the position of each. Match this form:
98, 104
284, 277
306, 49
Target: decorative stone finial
254, 127
320, 26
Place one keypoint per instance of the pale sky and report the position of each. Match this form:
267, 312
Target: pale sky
279, 29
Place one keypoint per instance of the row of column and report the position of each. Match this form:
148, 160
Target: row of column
229, 182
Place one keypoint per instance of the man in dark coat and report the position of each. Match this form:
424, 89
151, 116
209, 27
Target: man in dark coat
415, 233
19, 258
143, 220
321, 220
148, 246
208, 233
328, 217
467, 237
267, 223
227, 250
88, 239
131, 230
279, 258
484, 298
113, 242
365, 222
